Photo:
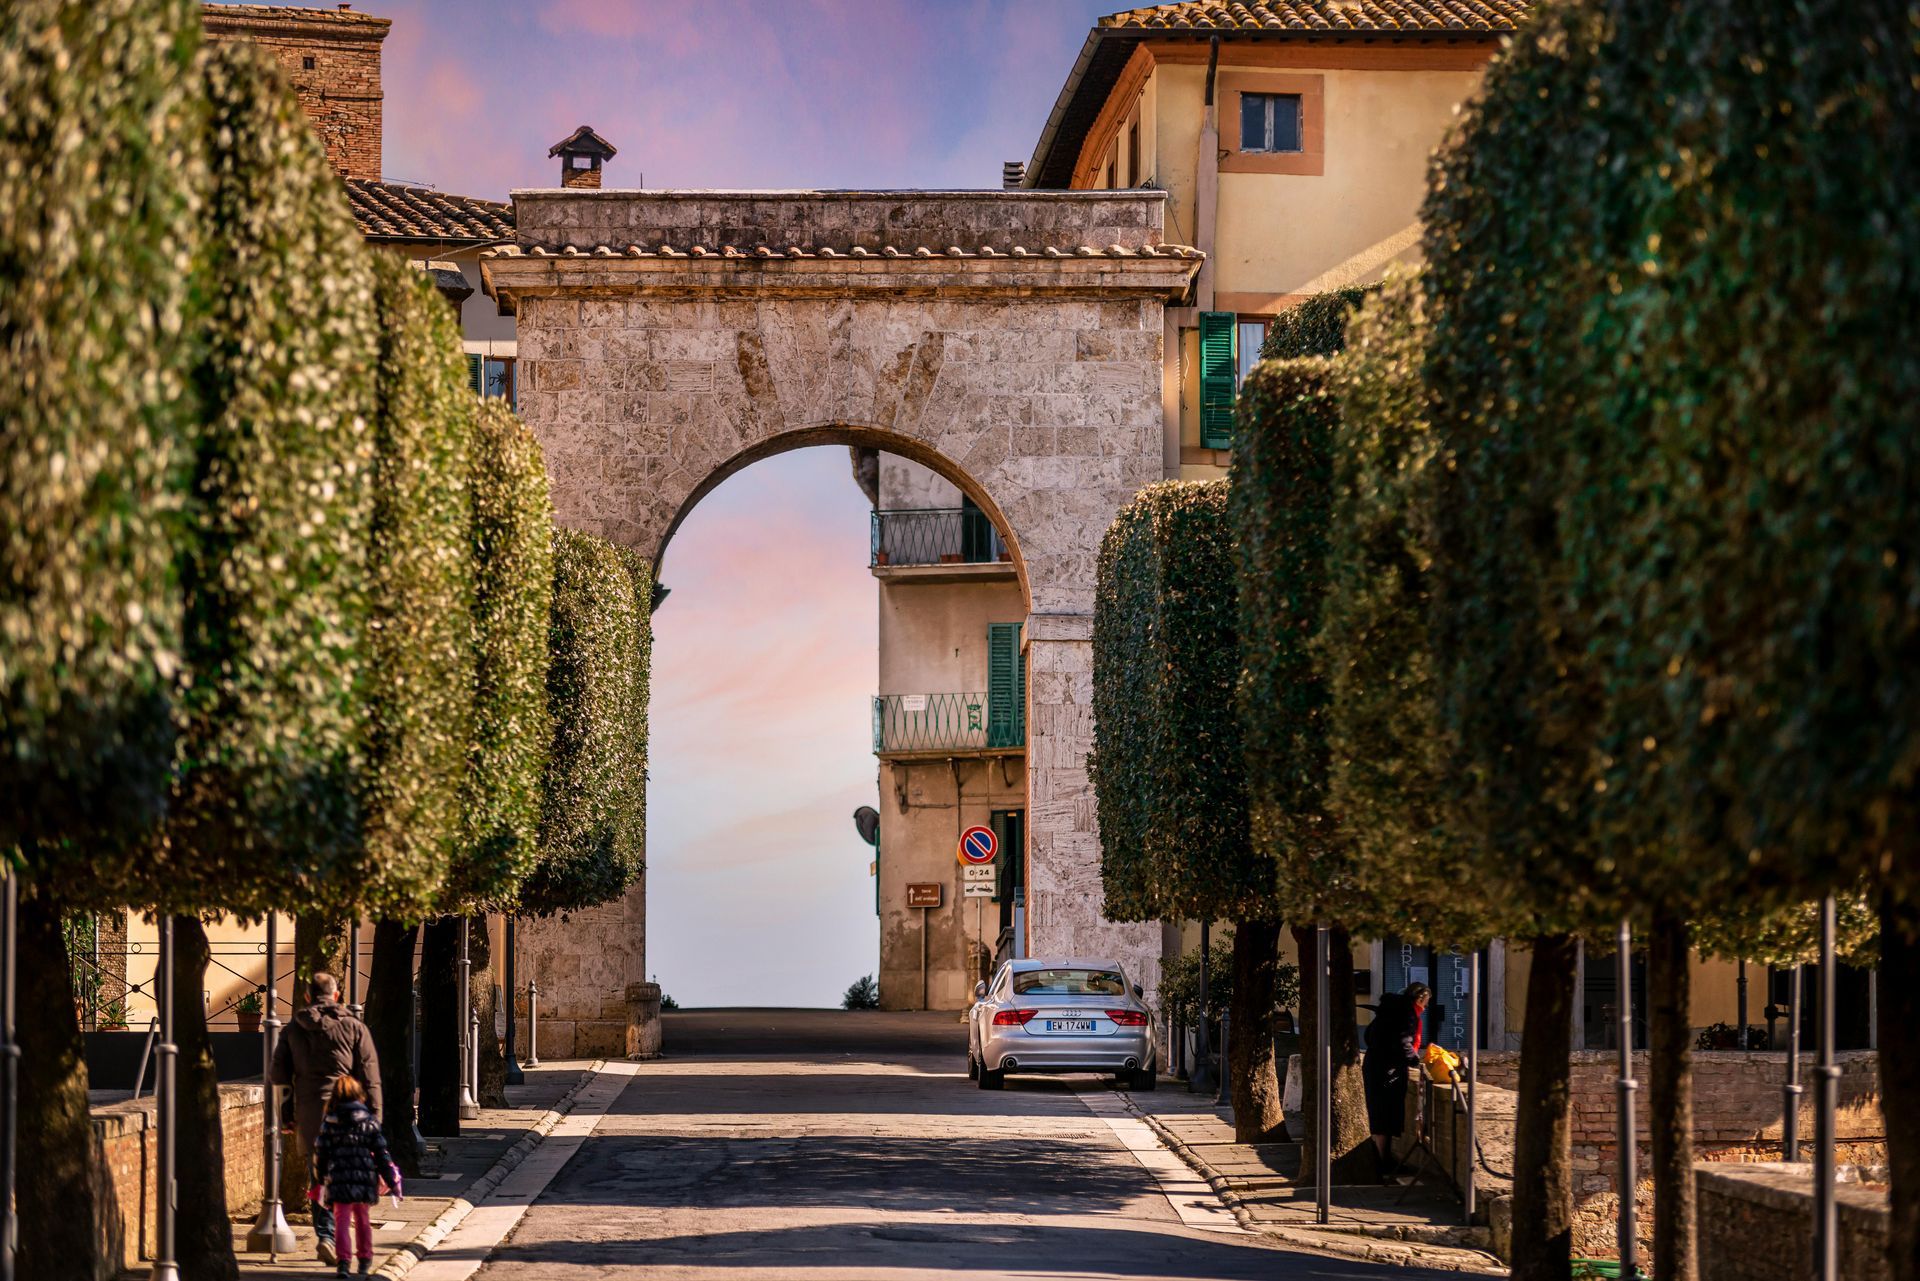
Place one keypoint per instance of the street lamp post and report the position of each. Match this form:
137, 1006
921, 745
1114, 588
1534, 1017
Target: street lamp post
514, 1075
165, 1056
1826, 1084
469, 1106
9, 1065
1629, 1238
270, 1233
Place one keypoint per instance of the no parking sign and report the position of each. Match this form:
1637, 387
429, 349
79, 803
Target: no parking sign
978, 845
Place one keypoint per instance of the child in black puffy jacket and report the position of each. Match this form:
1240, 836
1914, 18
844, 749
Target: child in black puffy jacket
350, 1162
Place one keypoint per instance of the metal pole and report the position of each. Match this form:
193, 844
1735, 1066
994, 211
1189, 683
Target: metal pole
354, 1003
1225, 1096
533, 1023
1826, 1210
165, 1055
473, 1056
1740, 1007
1323, 1096
9, 1063
1790, 1120
270, 1233
469, 1106
1200, 1077
1473, 1079
514, 1075
1629, 1177
923, 958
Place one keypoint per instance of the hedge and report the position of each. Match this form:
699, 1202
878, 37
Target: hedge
1314, 326
592, 813
420, 683
264, 812
511, 534
99, 174
1168, 771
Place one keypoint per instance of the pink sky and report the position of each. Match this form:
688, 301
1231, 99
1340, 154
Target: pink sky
765, 655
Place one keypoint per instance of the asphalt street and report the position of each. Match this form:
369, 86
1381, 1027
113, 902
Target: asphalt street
784, 1144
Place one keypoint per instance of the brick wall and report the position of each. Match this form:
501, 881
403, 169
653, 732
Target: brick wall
332, 56
128, 1146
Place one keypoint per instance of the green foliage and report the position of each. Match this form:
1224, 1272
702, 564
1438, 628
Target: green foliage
420, 670
1678, 387
592, 815
1314, 326
264, 812
1281, 506
512, 548
1167, 764
99, 173
1390, 758
862, 994
1180, 982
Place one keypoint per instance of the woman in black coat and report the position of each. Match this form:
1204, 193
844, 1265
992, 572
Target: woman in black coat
1393, 1046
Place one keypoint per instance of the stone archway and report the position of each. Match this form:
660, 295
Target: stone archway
1011, 340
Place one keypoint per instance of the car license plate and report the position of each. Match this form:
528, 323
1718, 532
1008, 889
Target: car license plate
1069, 1025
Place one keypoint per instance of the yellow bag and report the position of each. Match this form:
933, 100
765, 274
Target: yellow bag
1441, 1062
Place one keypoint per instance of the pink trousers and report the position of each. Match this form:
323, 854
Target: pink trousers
357, 1216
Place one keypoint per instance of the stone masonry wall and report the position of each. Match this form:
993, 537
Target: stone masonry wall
1011, 343
332, 58
128, 1148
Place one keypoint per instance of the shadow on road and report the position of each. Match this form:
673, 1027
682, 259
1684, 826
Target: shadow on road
881, 1035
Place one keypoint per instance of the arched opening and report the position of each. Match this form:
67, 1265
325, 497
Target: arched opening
842, 630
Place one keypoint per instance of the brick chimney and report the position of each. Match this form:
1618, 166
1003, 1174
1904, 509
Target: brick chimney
581, 154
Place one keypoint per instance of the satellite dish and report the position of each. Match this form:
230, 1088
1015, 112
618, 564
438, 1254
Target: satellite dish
866, 820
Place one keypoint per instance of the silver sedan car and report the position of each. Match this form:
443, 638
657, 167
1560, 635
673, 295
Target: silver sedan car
1061, 1016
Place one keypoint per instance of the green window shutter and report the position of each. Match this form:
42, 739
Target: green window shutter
1006, 686
475, 366
1219, 362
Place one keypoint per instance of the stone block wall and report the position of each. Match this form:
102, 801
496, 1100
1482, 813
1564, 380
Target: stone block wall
332, 59
1757, 1221
128, 1147
583, 963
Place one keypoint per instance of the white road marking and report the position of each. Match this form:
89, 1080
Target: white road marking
1189, 1195
466, 1248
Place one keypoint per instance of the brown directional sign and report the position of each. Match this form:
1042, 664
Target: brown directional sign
923, 894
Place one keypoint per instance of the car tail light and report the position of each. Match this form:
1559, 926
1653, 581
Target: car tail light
1012, 1018
1128, 1018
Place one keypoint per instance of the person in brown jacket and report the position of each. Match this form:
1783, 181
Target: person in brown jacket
322, 1042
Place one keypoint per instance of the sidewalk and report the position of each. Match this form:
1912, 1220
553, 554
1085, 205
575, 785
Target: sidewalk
1415, 1224
451, 1168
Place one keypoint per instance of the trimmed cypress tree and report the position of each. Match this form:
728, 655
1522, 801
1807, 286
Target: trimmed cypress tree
593, 798
1168, 772
1281, 509
100, 173
1314, 326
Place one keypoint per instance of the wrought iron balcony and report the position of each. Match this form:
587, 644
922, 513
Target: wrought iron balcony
936, 536
908, 723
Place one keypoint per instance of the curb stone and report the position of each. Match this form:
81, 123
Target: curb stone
406, 1257
1345, 1244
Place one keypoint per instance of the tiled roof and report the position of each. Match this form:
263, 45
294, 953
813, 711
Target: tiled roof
1326, 15
768, 252
396, 211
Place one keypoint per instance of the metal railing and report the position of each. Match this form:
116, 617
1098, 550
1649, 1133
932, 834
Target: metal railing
936, 536
945, 722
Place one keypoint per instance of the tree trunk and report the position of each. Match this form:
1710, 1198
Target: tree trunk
61, 1198
1257, 1117
317, 945
390, 1019
1670, 1101
203, 1234
1543, 1128
1353, 1157
440, 1016
1899, 984
493, 1060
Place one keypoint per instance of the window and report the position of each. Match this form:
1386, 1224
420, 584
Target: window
1270, 122
1006, 686
306, 63
491, 378
1133, 154
1252, 337
1065, 982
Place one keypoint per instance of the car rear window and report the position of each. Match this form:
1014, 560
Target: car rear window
1069, 983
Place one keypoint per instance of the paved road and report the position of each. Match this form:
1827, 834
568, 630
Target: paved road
823, 1145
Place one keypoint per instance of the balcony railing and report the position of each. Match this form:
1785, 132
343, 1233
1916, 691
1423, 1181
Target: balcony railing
946, 723
936, 536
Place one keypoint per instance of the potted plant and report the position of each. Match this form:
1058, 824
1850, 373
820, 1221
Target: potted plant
247, 1012
113, 1016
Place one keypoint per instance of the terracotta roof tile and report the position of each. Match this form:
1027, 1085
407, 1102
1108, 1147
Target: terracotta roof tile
396, 211
761, 253
1331, 16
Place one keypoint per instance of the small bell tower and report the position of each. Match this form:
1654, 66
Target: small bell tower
581, 153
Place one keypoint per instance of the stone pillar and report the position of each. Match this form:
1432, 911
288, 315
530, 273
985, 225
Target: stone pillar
1063, 839
643, 1020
